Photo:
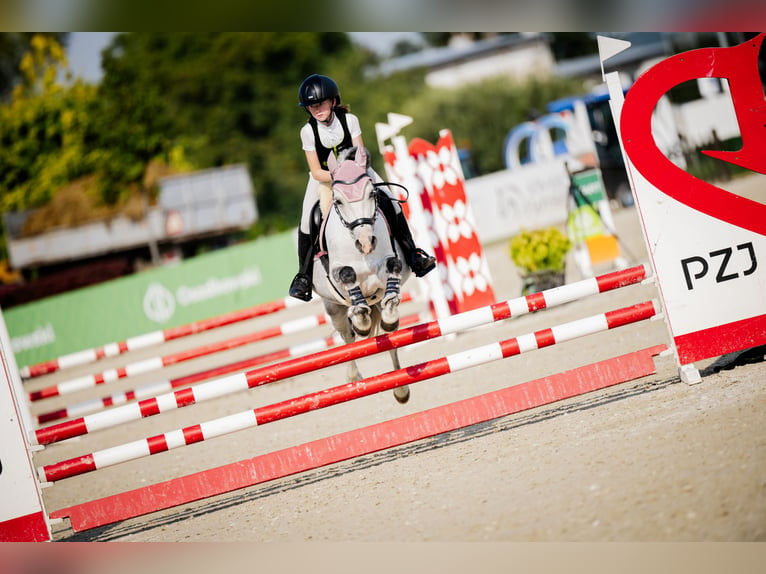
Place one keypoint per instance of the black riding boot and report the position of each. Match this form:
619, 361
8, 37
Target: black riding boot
417, 259
300, 288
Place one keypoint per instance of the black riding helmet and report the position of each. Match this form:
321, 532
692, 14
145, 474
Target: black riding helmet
316, 88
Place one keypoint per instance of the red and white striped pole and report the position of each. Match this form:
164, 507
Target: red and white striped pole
163, 336
153, 389
313, 401
402, 337
155, 363
154, 338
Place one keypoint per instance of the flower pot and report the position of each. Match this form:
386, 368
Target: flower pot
537, 281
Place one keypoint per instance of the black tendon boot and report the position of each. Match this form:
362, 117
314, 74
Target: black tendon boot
300, 288
417, 259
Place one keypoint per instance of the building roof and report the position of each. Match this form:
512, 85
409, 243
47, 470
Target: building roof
433, 58
587, 65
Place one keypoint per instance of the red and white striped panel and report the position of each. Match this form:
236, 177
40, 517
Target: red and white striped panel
461, 263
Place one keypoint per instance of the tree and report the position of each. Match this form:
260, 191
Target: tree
567, 45
225, 97
13, 46
43, 130
481, 115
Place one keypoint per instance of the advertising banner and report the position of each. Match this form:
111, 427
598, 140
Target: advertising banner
201, 287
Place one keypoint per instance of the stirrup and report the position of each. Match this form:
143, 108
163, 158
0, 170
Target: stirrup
300, 288
422, 262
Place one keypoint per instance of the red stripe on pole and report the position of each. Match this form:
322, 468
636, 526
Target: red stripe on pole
185, 397
60, 431
157, 444
43, 394
107, 401
500, 311
510, 348
122, 347
148, 407
545, 338
358, 442
193, 434
620, 317
74, 466
621, 278
43, 368
100, 353
98, 379
52, 416
535, 302
130, 395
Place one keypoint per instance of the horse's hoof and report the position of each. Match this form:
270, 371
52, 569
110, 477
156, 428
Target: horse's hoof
389, 313
402, 394
389, 327
361, 320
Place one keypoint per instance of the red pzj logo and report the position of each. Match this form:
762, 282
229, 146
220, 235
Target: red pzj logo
739, 66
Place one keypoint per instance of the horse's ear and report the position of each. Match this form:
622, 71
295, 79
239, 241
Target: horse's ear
332, 162
361, 157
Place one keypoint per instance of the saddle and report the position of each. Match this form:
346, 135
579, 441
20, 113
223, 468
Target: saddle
316, 229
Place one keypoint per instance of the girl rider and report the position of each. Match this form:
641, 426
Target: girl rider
331, 128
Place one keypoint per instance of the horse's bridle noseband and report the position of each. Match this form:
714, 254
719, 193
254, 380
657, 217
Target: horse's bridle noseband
362, 220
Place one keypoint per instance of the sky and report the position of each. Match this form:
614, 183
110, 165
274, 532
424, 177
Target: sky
84, 50
84, 53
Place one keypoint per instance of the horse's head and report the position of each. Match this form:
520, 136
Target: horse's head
353, 196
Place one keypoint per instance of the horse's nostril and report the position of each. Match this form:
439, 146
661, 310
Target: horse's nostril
373, 242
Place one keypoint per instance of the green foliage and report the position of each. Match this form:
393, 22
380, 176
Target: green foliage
481, 115
541, 249
43, 131
13, 47
230, 97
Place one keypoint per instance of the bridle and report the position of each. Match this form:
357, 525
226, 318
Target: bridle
351, 225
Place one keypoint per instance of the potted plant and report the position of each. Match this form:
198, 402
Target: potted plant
540, 257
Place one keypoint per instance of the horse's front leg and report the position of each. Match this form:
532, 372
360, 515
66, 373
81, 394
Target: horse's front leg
389, 305
339, 318
359, 311
401, 394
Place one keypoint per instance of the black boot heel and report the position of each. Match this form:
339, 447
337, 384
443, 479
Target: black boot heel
422, 263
